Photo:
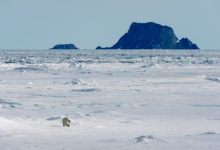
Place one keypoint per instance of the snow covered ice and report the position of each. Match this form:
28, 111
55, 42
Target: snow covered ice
116, 99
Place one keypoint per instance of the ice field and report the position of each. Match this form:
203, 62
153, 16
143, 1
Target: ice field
116, 99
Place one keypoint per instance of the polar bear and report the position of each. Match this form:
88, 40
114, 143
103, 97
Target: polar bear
66, 122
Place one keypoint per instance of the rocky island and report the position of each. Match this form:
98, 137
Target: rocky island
151, 36
64, 46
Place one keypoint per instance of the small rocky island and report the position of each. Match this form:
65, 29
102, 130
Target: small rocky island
64, 46
151, 36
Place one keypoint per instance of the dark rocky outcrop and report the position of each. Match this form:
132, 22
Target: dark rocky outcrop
185, 43
151, 36
65, 46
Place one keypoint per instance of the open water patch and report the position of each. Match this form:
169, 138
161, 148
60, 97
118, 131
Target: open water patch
6, 104
209, 133
212, 79
23, 69
86, 90
53, 118
144, 139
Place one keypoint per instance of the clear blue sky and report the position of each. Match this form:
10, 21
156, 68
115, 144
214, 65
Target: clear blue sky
40, 24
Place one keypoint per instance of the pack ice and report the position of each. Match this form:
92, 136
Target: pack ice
116, 99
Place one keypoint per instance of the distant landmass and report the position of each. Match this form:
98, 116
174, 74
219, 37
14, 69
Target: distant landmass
65, 46
151, 36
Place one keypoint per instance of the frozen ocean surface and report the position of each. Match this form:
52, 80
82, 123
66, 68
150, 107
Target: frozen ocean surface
116, 99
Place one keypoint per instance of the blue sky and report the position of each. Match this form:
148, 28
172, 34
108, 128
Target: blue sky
40, 24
